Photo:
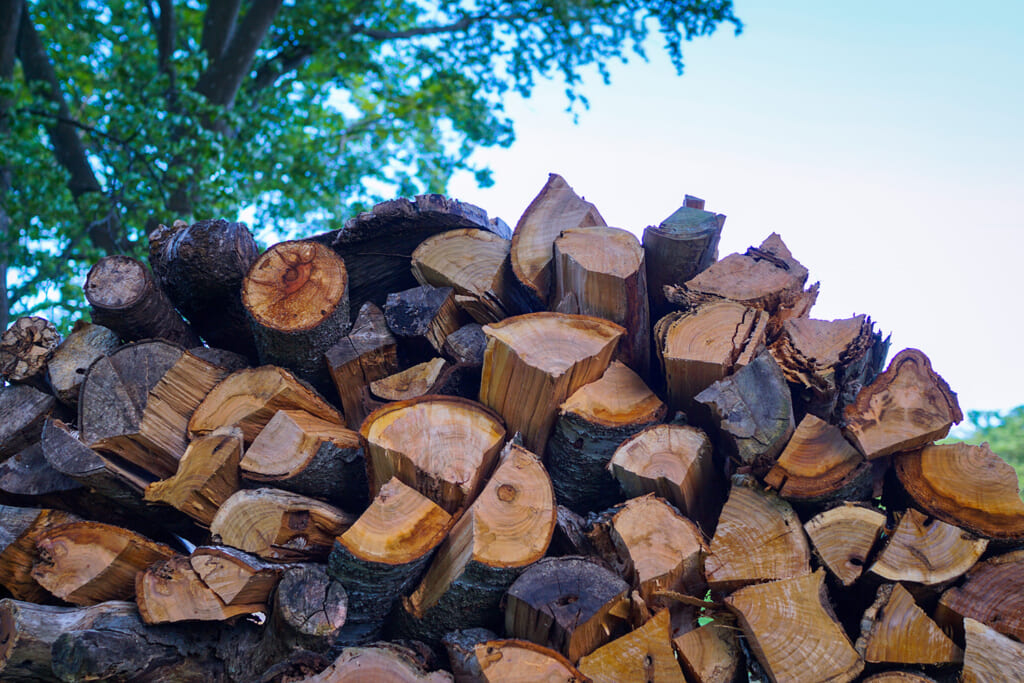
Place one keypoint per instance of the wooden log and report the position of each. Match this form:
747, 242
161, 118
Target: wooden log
569, 604
843, 538
409, 383
125, 297
383, 554
460, 645
520, 661
927, 551
369, 352
591, 424
309, 610
229, 360
20, 529
989, 655
422, 318
895, 630
235, 576
534, 362
70, 361
907, 406
384, 662
27, 479
442, 446
600, 271
466, 345
674, 462
88, 562
758, 538
201, 267
968, 486
296, 297
300, 452
23, 410
555, 209
680, 247
279, 525
641, 656
993, 593
170, 590
899, 677
25, 351
711, 654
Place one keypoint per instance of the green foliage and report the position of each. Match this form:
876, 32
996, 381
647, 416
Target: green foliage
1004, 432
342, 104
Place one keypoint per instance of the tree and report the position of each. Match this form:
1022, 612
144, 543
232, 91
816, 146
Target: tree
117, 116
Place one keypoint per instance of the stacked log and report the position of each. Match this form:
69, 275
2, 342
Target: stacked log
553, 454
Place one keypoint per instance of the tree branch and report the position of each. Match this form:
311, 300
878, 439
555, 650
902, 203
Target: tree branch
218, 25
288, 59
222, 79
10, 16
164, 28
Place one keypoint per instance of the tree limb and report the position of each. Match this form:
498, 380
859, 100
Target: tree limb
286, 60
10, 16
222, 79
218, 26
164, 27
460, 25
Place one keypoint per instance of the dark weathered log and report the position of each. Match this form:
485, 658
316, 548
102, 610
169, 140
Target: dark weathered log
222, 358
421, 318
927, 551
895, 630
466, 345
711, 654
993, 593
23, 410
641, 656
368, 353
461, 648
25, 349
989, 655
70, 361
28, 479
844, 537
201, 267
170, 590
20, 529
383, 662
309, 609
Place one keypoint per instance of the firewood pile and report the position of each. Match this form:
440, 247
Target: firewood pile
426, 447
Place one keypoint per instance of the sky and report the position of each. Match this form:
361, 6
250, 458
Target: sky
884, 141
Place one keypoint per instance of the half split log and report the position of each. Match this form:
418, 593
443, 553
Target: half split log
25, 350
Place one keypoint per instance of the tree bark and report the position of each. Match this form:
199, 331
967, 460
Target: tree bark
422, 318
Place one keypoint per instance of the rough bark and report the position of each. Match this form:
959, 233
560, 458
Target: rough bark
25, 350
23, 410
421, 318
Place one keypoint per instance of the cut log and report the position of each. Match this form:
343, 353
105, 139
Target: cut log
968, 486
385, 663
927, 551
907, 406
222, 358
300, 452
460, 646
508, 527
642, 656
235, 576
25, 350
674, 462
250, 398
790, 628
990, 656
591, 424
993, 594
20, 530
296, 297
279, 525
421, 318
409, 383
711, 654
758, 538
309, 610
569, 604
843, 538
29, 480
534, 362
520, 661
125, 297
466, 345
472, 262
383, 554
201, 268
442, 446
900, 677
600, 272
368, 353
87, 562
207, 476
67, 367
702, 346
170, 590
895, 630
23, 410
680, 247
819, 465
753, 411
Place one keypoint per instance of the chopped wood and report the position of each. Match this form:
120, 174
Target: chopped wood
895, 630
989, 655
20, 530
25, 350
70, 361
520, 661
534, 362
234, 575
309, 609
28, 479
907, 406
23, 410
711, 654
466, 345
170, 590
927, 551
409, 383
641, 656
222, 358
422, 318
385, 662
460, 646
993, 593
844, 537
369, 352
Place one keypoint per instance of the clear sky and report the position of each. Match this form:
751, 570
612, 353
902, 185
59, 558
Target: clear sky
883, 140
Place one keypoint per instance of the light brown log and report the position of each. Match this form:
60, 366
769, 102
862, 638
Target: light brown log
993, 593
789, 626
369, 352
409, 383
378, 664
711, 653
170, 590
642, 656
907, 406
71, 360
23, 410
844, 537
20, 530
25, 351
555, 209
895, 630
534, 362
991, 657
520, 661
235, 576
927, 551
442, 446
422, 318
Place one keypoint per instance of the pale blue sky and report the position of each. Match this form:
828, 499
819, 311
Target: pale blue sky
883, 140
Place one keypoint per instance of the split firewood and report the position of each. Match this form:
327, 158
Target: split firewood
70, 361
383, 554
88, 562
907, 406
711, 654
125, 297
308, 613
520, 661
466, 345
383, 662
680, 247
819, 465
279, 525
29, 480
20, 530
250, 398
758, 538
927, 551
702, 346
297, 451
409, 383
555, 209
895, 630
591, 424
989, 655
201, 268
422, 318
534, 362
170, 590
674, 462
900, 677
207, 476
234, 575
222, 358
600, 271
569, 604
844, 537
993, 593
25, 350
641, 656
460, 646
968, 486
442, 446
507, 528
753, 412
472, 262
296, 297
369, 352
23, 410
790, 628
